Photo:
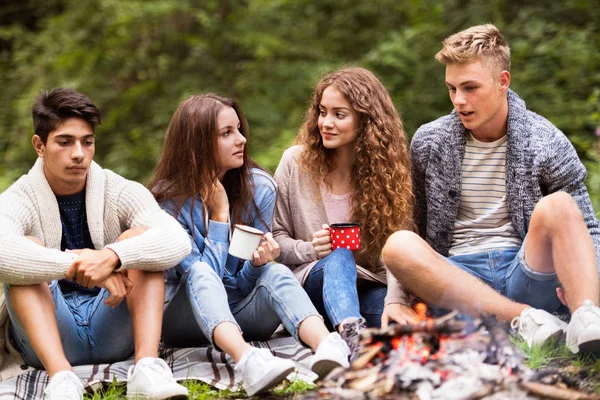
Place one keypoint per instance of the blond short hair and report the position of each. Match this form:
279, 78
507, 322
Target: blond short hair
483, 41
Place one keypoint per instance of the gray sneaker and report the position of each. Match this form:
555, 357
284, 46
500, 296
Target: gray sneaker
351, 329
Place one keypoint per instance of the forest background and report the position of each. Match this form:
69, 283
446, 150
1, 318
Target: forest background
138, 59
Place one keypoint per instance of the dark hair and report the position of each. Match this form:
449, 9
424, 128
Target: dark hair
188, 165
56, 106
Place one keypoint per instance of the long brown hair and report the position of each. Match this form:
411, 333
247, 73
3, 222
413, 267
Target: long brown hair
188, 165
382, 197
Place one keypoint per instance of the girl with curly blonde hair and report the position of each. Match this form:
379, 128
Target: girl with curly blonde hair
350, 164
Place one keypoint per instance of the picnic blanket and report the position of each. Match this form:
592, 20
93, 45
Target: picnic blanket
205, 364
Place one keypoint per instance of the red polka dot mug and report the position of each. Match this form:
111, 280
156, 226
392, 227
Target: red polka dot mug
345, 236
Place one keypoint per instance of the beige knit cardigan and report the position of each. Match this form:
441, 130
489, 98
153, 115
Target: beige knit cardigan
299, 213
113, 205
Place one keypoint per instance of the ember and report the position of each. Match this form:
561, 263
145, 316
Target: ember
452, 357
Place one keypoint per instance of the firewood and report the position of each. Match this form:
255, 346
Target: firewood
554, 392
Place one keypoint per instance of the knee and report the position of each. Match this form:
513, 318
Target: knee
201, 271
402, 250
556, 209
28, 294
277, 272
132, 232
342, 257
340, 261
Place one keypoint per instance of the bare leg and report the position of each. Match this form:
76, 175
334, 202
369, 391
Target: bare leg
34, 306
145, 303
558, 240
229, 338
313, 331
430, 277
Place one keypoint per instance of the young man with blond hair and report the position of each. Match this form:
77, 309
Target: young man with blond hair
505, 224
75, 241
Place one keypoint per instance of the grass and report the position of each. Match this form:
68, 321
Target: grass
583, 368
202, 391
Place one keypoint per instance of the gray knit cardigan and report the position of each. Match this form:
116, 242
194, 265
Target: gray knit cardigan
540, 160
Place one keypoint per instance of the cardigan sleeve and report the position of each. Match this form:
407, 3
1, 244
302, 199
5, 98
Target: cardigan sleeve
419, 153
395, 291
293, 251
162, 246
23, 262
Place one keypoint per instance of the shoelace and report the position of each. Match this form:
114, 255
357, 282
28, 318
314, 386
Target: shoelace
515, 323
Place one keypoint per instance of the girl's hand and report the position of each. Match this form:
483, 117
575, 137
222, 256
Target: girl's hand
218, 203
400, 313
266, 252
322, 242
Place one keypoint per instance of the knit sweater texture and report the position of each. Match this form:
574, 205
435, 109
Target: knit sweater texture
113, 205
300, 212
540, 160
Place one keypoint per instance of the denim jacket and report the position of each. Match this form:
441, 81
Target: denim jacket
212, 247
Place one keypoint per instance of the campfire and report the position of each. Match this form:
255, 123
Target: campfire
451, 357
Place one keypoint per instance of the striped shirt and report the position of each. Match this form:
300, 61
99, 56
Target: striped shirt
483, 222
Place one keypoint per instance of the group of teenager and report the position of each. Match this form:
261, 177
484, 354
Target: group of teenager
486, 213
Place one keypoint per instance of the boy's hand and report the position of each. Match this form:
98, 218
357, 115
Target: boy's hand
92, 266
118, 286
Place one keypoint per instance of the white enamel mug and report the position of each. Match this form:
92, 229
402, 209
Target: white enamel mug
245, 241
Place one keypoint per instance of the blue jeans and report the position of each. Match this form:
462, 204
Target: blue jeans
507, 272
332, 287
197, 302
90, 332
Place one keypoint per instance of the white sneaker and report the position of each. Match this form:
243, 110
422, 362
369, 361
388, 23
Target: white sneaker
260, 370
64, 385
332, 352
538, 326
583, 332
152, 379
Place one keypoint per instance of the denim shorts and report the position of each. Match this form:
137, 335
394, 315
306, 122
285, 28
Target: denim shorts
90, 331
507, 272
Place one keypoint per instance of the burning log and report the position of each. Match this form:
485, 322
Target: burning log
452, 357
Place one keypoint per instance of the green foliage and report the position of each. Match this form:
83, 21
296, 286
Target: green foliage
538, 357
202, 391
137, 60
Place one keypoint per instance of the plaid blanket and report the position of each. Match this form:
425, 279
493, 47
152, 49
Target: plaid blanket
205, 364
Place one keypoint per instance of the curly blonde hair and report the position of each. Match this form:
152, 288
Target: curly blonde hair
382, 198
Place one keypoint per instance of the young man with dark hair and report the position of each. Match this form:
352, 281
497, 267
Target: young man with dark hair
75, 241
500, 199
